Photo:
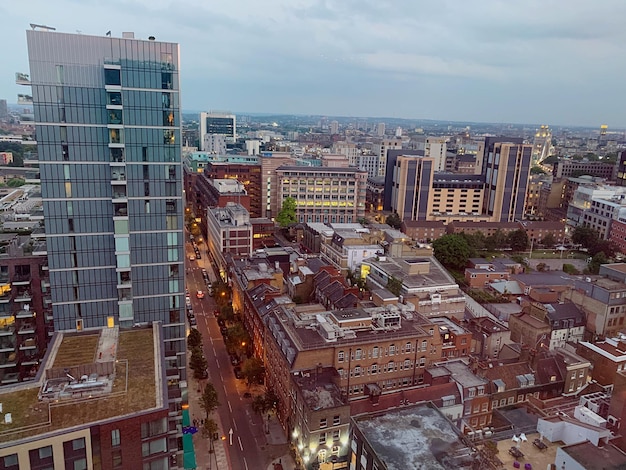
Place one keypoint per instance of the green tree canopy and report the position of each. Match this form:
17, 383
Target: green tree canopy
194, 340
518, 240
287, 214
476, 240
16, 182
594, 265
452, 250
253, 371
497, 240
197, 362
537, 170
209, 429
548, 240
394, 285
585, 236
208, 399
603, 246
393, 220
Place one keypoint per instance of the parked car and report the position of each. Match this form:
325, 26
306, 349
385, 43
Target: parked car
223, 330
237, 371
188, 301
234, 360
192, 321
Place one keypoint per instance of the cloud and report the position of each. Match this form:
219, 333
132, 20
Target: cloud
531, 61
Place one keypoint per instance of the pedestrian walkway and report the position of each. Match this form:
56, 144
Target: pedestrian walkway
205, 460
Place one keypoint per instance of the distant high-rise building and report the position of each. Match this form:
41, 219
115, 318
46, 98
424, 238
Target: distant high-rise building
380, 149
380, 129
436, 148
506, 167
603, 129
334, 127
109, 140
621, 169
217, 123
214, 143
4, 110
542, 143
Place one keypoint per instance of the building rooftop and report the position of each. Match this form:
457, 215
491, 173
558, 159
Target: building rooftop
453, 327
86, 377
414, 437
433, 276
318, 389
590, 457
462, 374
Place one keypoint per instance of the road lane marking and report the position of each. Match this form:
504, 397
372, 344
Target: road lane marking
240, 445
245, 463
230, 407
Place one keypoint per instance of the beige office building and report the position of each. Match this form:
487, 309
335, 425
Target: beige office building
324, 194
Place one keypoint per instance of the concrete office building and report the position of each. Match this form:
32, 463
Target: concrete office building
217, 123
269, 200
107, 112
214, 143
436, 148
323, 194
229, 231
380, 149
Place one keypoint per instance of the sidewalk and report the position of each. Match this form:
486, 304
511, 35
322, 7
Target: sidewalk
204, 460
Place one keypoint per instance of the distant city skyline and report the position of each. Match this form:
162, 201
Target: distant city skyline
529, 62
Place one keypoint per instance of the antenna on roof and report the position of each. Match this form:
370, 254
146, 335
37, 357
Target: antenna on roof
42, 27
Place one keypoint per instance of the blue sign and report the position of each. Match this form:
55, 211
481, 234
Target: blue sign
190, 429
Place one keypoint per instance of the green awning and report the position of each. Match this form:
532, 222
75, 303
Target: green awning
186, 419
189, 454
189, 460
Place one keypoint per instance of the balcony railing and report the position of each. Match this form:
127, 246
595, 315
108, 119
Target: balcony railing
8, 330
27, 328
21, 279
25, 313
23, 296
7, 344
29, 344
8, 359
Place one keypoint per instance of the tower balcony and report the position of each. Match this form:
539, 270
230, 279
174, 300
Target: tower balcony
27, 328
21, 279
22, 79
23, 295
24, 314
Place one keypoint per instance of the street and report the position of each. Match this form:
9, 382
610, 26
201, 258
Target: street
234, 411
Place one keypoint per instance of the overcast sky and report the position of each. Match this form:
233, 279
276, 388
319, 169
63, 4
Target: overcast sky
532, 61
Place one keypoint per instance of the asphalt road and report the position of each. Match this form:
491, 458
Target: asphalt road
234, 411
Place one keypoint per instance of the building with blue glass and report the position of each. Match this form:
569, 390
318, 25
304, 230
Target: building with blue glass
107, 114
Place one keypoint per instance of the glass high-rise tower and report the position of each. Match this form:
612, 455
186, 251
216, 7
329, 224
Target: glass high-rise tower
107, 113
